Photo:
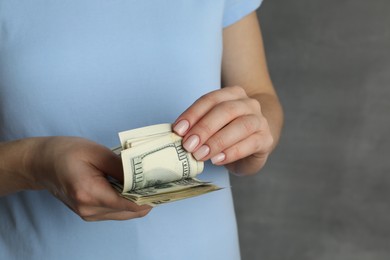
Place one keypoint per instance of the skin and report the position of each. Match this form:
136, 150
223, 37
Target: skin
236, 126
239, 124
73, 169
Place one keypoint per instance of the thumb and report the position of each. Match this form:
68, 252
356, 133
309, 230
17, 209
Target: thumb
109, 163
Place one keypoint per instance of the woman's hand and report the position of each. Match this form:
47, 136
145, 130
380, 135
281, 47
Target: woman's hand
229, 128
74, 170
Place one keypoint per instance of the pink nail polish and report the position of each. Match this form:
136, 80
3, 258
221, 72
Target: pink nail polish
201, 152
191, 143
181, 127
218, 158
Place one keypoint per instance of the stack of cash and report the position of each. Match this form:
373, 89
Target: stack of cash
156, 167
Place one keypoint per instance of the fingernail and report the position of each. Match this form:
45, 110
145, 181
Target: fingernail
181, 127
201, 152
218, 158
191, 143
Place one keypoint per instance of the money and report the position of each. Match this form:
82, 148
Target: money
167, 192
156, 167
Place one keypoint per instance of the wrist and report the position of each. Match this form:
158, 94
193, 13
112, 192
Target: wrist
17, 167
35, 154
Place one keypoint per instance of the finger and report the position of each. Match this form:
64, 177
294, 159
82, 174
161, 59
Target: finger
201, 106
125, 215
107, 197
109, 163
216, 119
97, 196
121, 215
254, 144
96, 212
239, 129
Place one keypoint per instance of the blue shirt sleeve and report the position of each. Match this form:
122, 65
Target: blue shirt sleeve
235, 10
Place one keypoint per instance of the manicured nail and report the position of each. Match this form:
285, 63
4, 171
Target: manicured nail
191, 143
201, 152
181, 127
218, 158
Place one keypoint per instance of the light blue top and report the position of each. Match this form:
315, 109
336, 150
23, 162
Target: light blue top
92, 68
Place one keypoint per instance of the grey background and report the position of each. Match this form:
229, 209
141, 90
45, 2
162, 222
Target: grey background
325, 192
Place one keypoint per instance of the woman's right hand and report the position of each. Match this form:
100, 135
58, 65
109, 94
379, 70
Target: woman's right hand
74, 170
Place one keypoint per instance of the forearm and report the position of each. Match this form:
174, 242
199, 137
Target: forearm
244, 64
15, 165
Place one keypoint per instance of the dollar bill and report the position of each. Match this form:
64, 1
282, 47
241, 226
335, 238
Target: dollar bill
167, 192
156, 167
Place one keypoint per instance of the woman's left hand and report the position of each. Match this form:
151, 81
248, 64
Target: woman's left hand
229, 128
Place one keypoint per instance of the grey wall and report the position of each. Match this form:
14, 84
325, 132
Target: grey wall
325, 192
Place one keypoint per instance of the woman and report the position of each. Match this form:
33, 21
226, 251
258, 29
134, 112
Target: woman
74, 73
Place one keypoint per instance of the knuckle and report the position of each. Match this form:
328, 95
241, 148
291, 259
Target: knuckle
263, 143
236, 152
250, 125
205, 128
258, 143
140, 214
83, 212
231, 109
82, 197
269, 142
266, 136
217, 143
210, 98
254, 104
238, 90
264, 126
88, 218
